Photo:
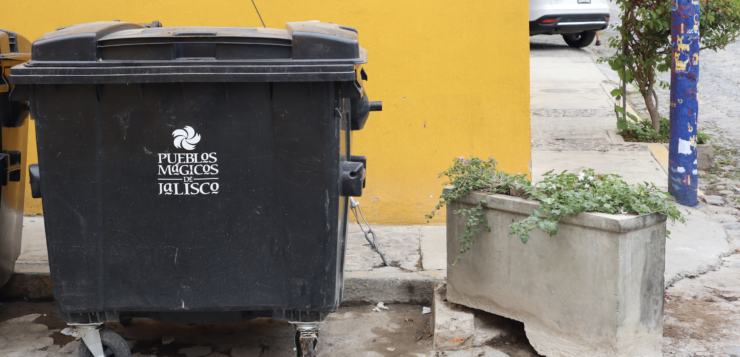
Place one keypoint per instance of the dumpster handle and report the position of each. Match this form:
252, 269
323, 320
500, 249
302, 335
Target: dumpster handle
355, 206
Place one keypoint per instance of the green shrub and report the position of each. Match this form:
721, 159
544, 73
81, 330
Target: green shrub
642, 131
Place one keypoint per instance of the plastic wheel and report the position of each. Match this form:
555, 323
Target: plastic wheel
126, 321
305, 344
579, 40
113, 346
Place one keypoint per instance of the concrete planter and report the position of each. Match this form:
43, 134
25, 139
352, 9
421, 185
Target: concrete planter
595, 289
705, 156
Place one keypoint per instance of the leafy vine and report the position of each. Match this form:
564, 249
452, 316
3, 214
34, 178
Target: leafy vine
474, 174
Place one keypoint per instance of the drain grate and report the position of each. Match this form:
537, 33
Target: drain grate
558, 90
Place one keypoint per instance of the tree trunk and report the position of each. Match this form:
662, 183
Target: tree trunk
645, 80
653, 110
651, 102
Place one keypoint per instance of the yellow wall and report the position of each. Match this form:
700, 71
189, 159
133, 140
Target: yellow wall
453, 78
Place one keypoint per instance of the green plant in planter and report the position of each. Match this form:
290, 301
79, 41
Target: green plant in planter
568, 193
559, 195
471, 175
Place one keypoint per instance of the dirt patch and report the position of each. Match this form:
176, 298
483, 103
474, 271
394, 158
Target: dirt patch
696, 319
11, 310
49, 317
156, 348
414, 330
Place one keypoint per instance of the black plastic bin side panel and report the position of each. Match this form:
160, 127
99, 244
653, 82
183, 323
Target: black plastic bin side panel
198, 239
264, 238
65, 133
345, 152
306, 170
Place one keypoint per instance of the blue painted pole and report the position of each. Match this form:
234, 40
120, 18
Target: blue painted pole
683, 175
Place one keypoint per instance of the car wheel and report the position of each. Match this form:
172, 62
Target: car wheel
579, 40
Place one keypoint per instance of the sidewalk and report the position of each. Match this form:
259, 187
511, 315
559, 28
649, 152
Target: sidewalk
574, 127
573, 124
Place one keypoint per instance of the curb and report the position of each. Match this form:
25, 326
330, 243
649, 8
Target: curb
371, 287
660, 154
611, 99
360, 287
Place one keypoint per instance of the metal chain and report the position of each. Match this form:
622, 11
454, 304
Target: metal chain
355, 207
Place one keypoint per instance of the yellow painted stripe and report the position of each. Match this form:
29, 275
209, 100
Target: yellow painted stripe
633, 112
660, 153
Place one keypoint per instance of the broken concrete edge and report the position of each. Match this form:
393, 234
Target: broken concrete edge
700, 245
453, 327
458, 327
360, 287
710, 266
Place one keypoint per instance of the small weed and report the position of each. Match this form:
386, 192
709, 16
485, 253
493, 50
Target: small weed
723, 150
723, 162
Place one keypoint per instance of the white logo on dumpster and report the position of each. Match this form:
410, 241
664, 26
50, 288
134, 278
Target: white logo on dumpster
187, 173
186, 138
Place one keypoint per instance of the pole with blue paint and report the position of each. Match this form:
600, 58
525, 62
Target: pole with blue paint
683, 175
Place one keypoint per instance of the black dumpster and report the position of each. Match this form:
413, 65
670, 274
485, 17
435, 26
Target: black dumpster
197, 174
14, 50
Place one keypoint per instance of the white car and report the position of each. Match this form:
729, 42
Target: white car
576, 20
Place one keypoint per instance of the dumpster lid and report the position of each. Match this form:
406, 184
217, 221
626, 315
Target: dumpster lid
198, 31
14, 46
99, 52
